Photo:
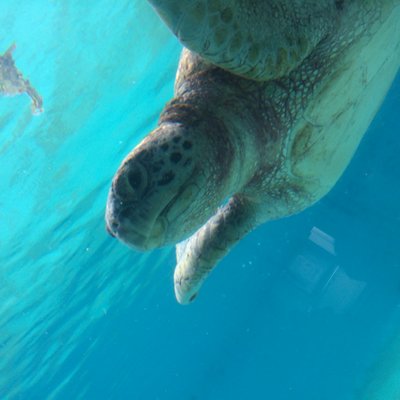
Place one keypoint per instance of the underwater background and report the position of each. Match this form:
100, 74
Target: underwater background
306, 307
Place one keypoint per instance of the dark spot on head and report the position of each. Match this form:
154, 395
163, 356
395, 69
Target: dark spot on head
176, 139
193, 297
175, 157
339, 4
226, 15
156, 168
187, 145
164, 147
187, 162
134, 178
166, 178
143, 155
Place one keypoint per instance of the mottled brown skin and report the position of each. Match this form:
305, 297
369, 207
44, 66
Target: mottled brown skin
12, 82
267, 149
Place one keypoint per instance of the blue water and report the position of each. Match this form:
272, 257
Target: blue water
290, 314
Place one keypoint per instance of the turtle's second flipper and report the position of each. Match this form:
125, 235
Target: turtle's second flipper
37, 101
199, 254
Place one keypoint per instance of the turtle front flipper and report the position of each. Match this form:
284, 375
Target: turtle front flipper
37, 101
199, 254
256, 39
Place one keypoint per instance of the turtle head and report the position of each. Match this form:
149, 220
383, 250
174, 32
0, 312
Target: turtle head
166, 187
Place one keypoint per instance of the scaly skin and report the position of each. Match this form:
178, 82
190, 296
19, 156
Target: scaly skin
256, 39
271, 147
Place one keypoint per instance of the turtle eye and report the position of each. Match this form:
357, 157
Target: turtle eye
135, 178
175, 157
131, 180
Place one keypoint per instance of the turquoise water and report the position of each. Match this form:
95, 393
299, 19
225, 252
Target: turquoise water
291, 313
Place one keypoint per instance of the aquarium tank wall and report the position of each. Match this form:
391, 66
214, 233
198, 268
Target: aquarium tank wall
305, 307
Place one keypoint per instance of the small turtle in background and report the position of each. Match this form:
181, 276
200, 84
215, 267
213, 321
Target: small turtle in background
12, 83
272, 98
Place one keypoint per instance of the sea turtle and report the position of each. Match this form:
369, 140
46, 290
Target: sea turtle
12, 83
272, 98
